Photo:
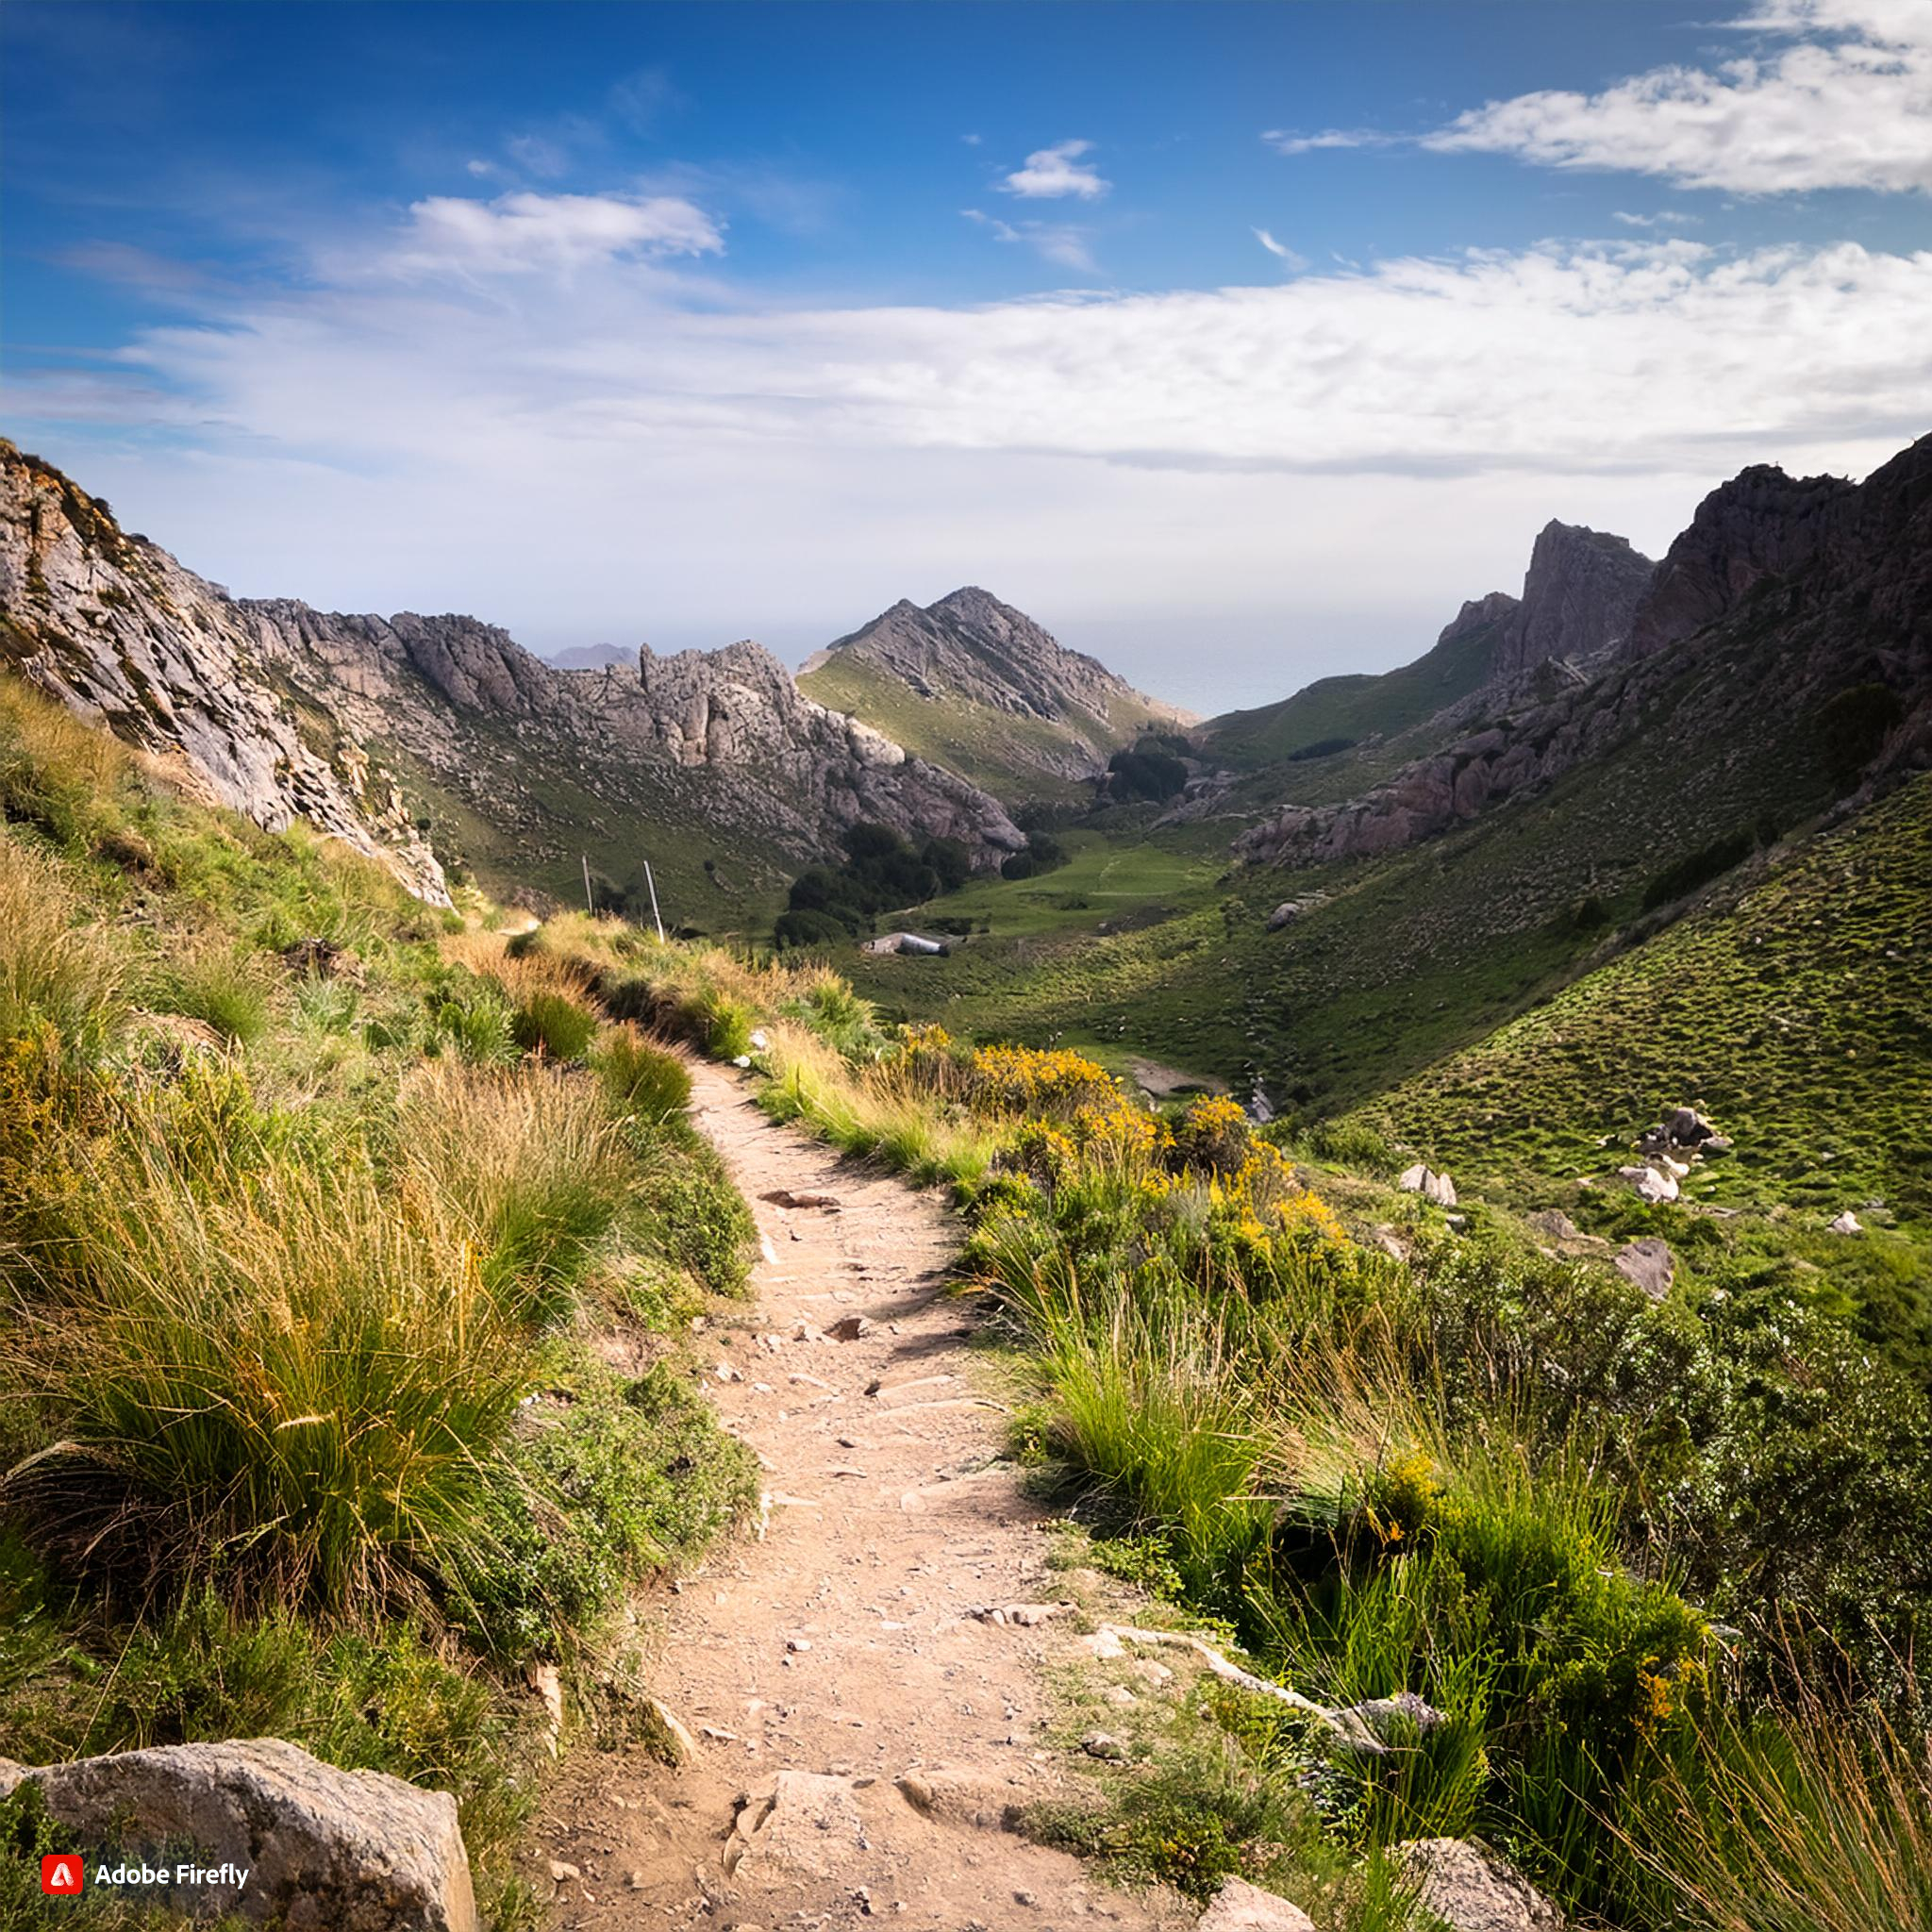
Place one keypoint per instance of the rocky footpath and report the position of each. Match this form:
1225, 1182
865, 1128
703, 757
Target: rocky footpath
117, 630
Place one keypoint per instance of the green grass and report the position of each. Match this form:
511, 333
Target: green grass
1357, 707
305, 1265
1799, 1018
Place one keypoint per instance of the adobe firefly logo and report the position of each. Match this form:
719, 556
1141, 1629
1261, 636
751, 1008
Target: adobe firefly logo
63, 1876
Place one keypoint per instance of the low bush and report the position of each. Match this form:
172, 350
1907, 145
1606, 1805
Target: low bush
554, 1025
643, 1079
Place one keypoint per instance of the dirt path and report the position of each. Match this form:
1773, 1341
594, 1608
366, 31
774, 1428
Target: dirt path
859, 1734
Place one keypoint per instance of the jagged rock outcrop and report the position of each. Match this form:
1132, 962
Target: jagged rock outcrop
117, 630
720, 736
1851, 569
969, 654
1761, 524
1579, 598
273, 704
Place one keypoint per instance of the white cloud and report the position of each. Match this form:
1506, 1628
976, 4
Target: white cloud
1059, 243
528, 233
1056, 172
535, 155
1664, 218
695, 470
1283, 143
1279, 250
1848, 106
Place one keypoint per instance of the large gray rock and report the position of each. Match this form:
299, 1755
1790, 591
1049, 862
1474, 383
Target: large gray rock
324, 1850
1471, 1890
1648, 1263
1579, 597
1239, 1906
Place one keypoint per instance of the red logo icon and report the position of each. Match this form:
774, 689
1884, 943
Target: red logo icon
63, 1875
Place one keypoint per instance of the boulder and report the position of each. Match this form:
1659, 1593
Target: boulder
322, 1850
1847, 1222
1651, 1183
1650, 1264
1425, 1181
1371, 1727
1289, 910
1471, 1890
1239, 1906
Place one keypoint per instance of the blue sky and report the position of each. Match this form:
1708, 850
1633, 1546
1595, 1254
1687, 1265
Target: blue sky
1238, 344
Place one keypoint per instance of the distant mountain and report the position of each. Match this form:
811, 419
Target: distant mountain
977, 685
1784, 595
1579, 598
592, 658
711, 764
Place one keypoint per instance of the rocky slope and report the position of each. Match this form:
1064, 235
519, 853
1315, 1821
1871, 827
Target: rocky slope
1780, 595
115, 628
524, 766
1579, 598
981, 686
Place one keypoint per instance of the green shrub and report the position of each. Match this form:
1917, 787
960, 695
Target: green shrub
212, 985
643, 1079
554, 1025
728, 1034
284, 1385
686, 1208
619, 1480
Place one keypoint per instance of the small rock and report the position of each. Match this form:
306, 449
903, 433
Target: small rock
1104, 1745
850, 1329
1648, 1263
564, 1873
1411, 1179
1847, 1222
1650, 1183
767, 1253
1471, 1890
759, 1040
1289, 910
1239, 1906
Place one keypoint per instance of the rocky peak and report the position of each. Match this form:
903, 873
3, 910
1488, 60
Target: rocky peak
1478, 613
1579, 597
969, 647
1761, 524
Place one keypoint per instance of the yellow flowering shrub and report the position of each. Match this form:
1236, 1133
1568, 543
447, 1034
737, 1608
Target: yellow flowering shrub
1214, 1136
1031, 1080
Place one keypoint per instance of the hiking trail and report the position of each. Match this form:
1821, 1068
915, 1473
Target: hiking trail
858, 1736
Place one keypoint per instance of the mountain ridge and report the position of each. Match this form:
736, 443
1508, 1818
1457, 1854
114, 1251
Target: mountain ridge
954, 674
527, 768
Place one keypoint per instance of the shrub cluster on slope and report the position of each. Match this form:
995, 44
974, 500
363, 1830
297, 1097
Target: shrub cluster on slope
310, 1208
1658, 1566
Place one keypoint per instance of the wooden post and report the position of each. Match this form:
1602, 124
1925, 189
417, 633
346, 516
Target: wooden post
589, 904
656, 917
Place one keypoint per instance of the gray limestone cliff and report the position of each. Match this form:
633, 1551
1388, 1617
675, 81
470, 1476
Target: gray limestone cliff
117, 630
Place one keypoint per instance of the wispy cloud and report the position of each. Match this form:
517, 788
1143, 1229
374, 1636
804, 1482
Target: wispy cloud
1062, 243
1664, 218
1849, 106
641, 99
528, 233
1280, 250
1052, 172
1284, 143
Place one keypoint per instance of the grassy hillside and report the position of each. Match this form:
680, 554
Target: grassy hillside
319, 1213
1359, 707
1015, 756
1796, 1011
